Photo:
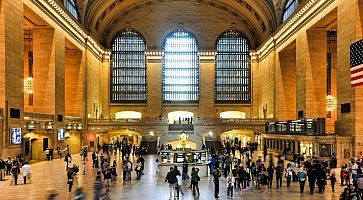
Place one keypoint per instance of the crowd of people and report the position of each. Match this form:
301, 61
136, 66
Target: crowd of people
240, 171
14, 168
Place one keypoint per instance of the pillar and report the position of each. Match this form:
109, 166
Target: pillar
206, 90
311, 73
154, 86
350, 29
11, 71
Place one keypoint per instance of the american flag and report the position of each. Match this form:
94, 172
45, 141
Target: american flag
356, 63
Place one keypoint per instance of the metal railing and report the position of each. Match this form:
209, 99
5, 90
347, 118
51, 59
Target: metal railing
196, 121
31, 115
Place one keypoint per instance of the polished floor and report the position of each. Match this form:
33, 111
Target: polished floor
51, 176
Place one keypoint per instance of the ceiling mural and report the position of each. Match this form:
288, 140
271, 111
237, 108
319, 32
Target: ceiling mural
102, 17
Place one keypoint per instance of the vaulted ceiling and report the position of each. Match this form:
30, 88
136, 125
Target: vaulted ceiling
256, 18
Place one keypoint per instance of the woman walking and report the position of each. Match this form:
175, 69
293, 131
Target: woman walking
289, 174
70, 179
15, 172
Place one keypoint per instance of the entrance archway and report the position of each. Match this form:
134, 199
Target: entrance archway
238, 136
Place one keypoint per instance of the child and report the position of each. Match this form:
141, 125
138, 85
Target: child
230, 183
333, 180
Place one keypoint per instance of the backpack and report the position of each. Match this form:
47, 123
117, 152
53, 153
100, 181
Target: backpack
172, 178
301, 175
279, 170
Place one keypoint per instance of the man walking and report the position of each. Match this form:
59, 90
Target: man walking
2, 169
97, 186
216, 174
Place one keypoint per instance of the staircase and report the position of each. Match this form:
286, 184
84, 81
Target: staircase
151, 146
216, 144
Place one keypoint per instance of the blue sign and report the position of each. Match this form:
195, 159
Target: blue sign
16, 135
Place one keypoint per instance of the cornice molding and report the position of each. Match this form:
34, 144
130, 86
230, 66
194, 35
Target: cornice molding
296, 22
62, 18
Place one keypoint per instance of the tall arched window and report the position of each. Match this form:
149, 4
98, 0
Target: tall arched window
290, 7
72, 8
233, 79
128, 68
180, 68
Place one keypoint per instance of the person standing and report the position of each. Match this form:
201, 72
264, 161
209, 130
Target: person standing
8, 166
107, 177
230, 183
178, 184
138, 170
333, 180
94, 159
70, 179
279, 170
301, 176
311, 178
97, 186
216, 174
289, 174
194, 180
185, 170
59, 152
2, 169
15, 173
270, 171
26, 171
172, 180
47, 153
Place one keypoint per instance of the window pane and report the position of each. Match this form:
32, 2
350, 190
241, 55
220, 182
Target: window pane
233, 69
128, 68
181, 68
72, 8
290, 7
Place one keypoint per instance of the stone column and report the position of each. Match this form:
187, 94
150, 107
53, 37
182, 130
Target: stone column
154, 84
350, 29
11, 71
311, 73
207, 85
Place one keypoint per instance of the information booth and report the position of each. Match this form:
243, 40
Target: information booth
171, 158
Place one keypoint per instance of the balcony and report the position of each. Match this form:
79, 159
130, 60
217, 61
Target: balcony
250, 123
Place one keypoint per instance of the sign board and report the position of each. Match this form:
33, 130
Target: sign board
16, 135
31, 125
49, 125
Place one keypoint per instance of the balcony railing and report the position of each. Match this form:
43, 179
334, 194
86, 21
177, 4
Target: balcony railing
196, 121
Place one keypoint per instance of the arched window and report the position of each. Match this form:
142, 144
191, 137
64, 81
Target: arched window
72, 8
290, 7
128, 68
233, 79
180, 68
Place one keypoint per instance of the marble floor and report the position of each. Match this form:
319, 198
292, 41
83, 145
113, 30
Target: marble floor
51, 176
